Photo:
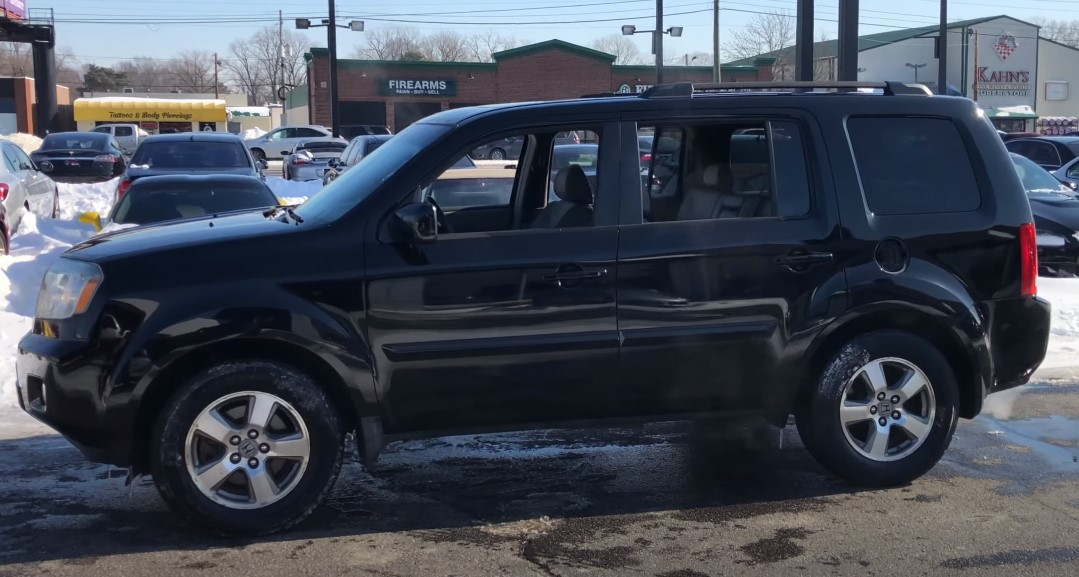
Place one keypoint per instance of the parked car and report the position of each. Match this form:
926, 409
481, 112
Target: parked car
824, 278
80, 157
273, 144
357, 150
127, 136
309, 159
24, 188
155, 199
190, 153
510, 148
352, 131
461, 188
1049, 152
1055, 207
1069, 173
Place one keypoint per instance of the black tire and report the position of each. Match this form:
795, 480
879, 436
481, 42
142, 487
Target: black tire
258, 154
497, 154
169, 455
823, 434
3, 245
56, 203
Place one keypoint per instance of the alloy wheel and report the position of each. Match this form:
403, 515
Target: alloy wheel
247, 450
887, 409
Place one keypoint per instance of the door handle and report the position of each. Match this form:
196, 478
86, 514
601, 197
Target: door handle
804, 259
573, 275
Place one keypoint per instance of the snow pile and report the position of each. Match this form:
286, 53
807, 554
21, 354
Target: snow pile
76, 199
293, 191
252, 133
1064, 332
27, 142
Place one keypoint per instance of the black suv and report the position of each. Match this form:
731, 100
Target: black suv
860, 256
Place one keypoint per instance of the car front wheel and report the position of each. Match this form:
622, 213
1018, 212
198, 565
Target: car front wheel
247, 447
883, 411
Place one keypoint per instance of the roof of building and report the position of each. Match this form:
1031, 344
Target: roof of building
553, 45
830, 48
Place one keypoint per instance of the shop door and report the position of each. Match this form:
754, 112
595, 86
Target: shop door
405, 113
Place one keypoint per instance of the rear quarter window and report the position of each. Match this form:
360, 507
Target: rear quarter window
910, 165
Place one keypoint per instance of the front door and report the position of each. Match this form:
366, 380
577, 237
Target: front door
727, 263
509, 317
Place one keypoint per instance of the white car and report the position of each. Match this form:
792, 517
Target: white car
23, 187
269, 145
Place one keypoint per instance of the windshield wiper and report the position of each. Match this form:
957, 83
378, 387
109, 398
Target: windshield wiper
287, 210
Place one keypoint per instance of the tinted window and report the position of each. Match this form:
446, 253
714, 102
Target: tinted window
1036, 178
124, 131
74, 141
372, 145
20, 157
458, 193
9, 158
146, 203
934, 174
305, 133
188, 154
322, 146
102, 130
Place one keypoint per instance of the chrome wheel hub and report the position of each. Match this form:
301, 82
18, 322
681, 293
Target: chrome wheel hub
247, 450
887, 409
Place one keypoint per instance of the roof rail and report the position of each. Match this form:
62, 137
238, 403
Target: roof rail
688, 89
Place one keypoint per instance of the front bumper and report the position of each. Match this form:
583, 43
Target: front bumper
60, 383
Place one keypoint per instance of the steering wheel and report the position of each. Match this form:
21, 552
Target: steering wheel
443, 224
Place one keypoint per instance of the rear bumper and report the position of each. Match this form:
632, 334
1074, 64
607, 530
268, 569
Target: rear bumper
1018, 339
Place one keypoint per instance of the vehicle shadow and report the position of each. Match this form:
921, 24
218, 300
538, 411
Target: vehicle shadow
56, 507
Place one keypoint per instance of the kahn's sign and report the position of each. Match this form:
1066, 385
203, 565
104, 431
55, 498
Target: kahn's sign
417, 87
1015, 76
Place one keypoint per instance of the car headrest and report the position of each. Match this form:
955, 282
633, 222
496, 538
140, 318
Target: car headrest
571, 185
716, 176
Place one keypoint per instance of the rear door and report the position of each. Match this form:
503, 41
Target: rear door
728, 259
125, 135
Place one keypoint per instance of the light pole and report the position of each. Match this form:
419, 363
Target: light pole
916, 67
331, 41
657, 38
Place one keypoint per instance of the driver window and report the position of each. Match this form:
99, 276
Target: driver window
281, 134
531, 180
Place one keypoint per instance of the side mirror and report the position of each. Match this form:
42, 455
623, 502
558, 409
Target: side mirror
285, 152
416, 223
1070, 184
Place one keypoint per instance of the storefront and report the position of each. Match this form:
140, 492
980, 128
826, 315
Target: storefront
154, 115
396, 94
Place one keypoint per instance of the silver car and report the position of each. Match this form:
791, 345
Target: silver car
310, 159
273, 144
23, 188
1069, 174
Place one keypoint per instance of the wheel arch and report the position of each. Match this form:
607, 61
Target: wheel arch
170, 377
967, 355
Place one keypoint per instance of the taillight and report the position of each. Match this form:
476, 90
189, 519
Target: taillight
299, 160
105, 158
4, 190
646, 157
1028, 248
124, 185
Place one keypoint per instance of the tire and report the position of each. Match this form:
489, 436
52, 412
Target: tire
300, 410
931, 411
4, 249
56, 204
258, 154
497, 154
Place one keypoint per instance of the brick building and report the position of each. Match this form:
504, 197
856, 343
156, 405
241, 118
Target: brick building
397, 94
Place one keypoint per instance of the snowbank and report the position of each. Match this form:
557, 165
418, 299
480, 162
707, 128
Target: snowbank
79, 198
27, 142
252, 133
293, 191
1064, 332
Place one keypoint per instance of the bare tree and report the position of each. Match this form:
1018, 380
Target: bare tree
1063, 31
145, 74
193, 71
260, 65
390, 43
621, 47
16, 59
764, 34
483, 44
445, 46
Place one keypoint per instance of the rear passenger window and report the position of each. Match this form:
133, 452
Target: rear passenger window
124, 131
913, 165
723, 171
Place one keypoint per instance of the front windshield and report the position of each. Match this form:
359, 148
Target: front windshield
1036, 179
353, 186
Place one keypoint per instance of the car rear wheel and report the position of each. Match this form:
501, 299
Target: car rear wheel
884, 409
56, 203
497, 154
258, 154
247, 447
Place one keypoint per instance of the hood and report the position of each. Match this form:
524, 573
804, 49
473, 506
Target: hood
1056, 212
138, 171
178, 234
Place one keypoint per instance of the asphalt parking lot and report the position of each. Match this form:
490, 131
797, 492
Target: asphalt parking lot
663, 500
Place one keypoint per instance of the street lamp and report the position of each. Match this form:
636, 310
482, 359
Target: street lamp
331, 26
916, 67
657, 38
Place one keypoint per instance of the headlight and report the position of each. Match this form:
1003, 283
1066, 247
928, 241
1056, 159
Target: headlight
67, 289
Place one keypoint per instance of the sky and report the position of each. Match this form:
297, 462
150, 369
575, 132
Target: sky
106, 32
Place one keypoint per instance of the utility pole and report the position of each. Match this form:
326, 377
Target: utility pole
715, 42
657, 41
942, 50
335, 103
975, 65
216, 83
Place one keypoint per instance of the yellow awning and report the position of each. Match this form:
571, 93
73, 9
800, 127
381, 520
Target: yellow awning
110, 109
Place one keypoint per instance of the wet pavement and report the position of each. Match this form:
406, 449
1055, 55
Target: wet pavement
664, 500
